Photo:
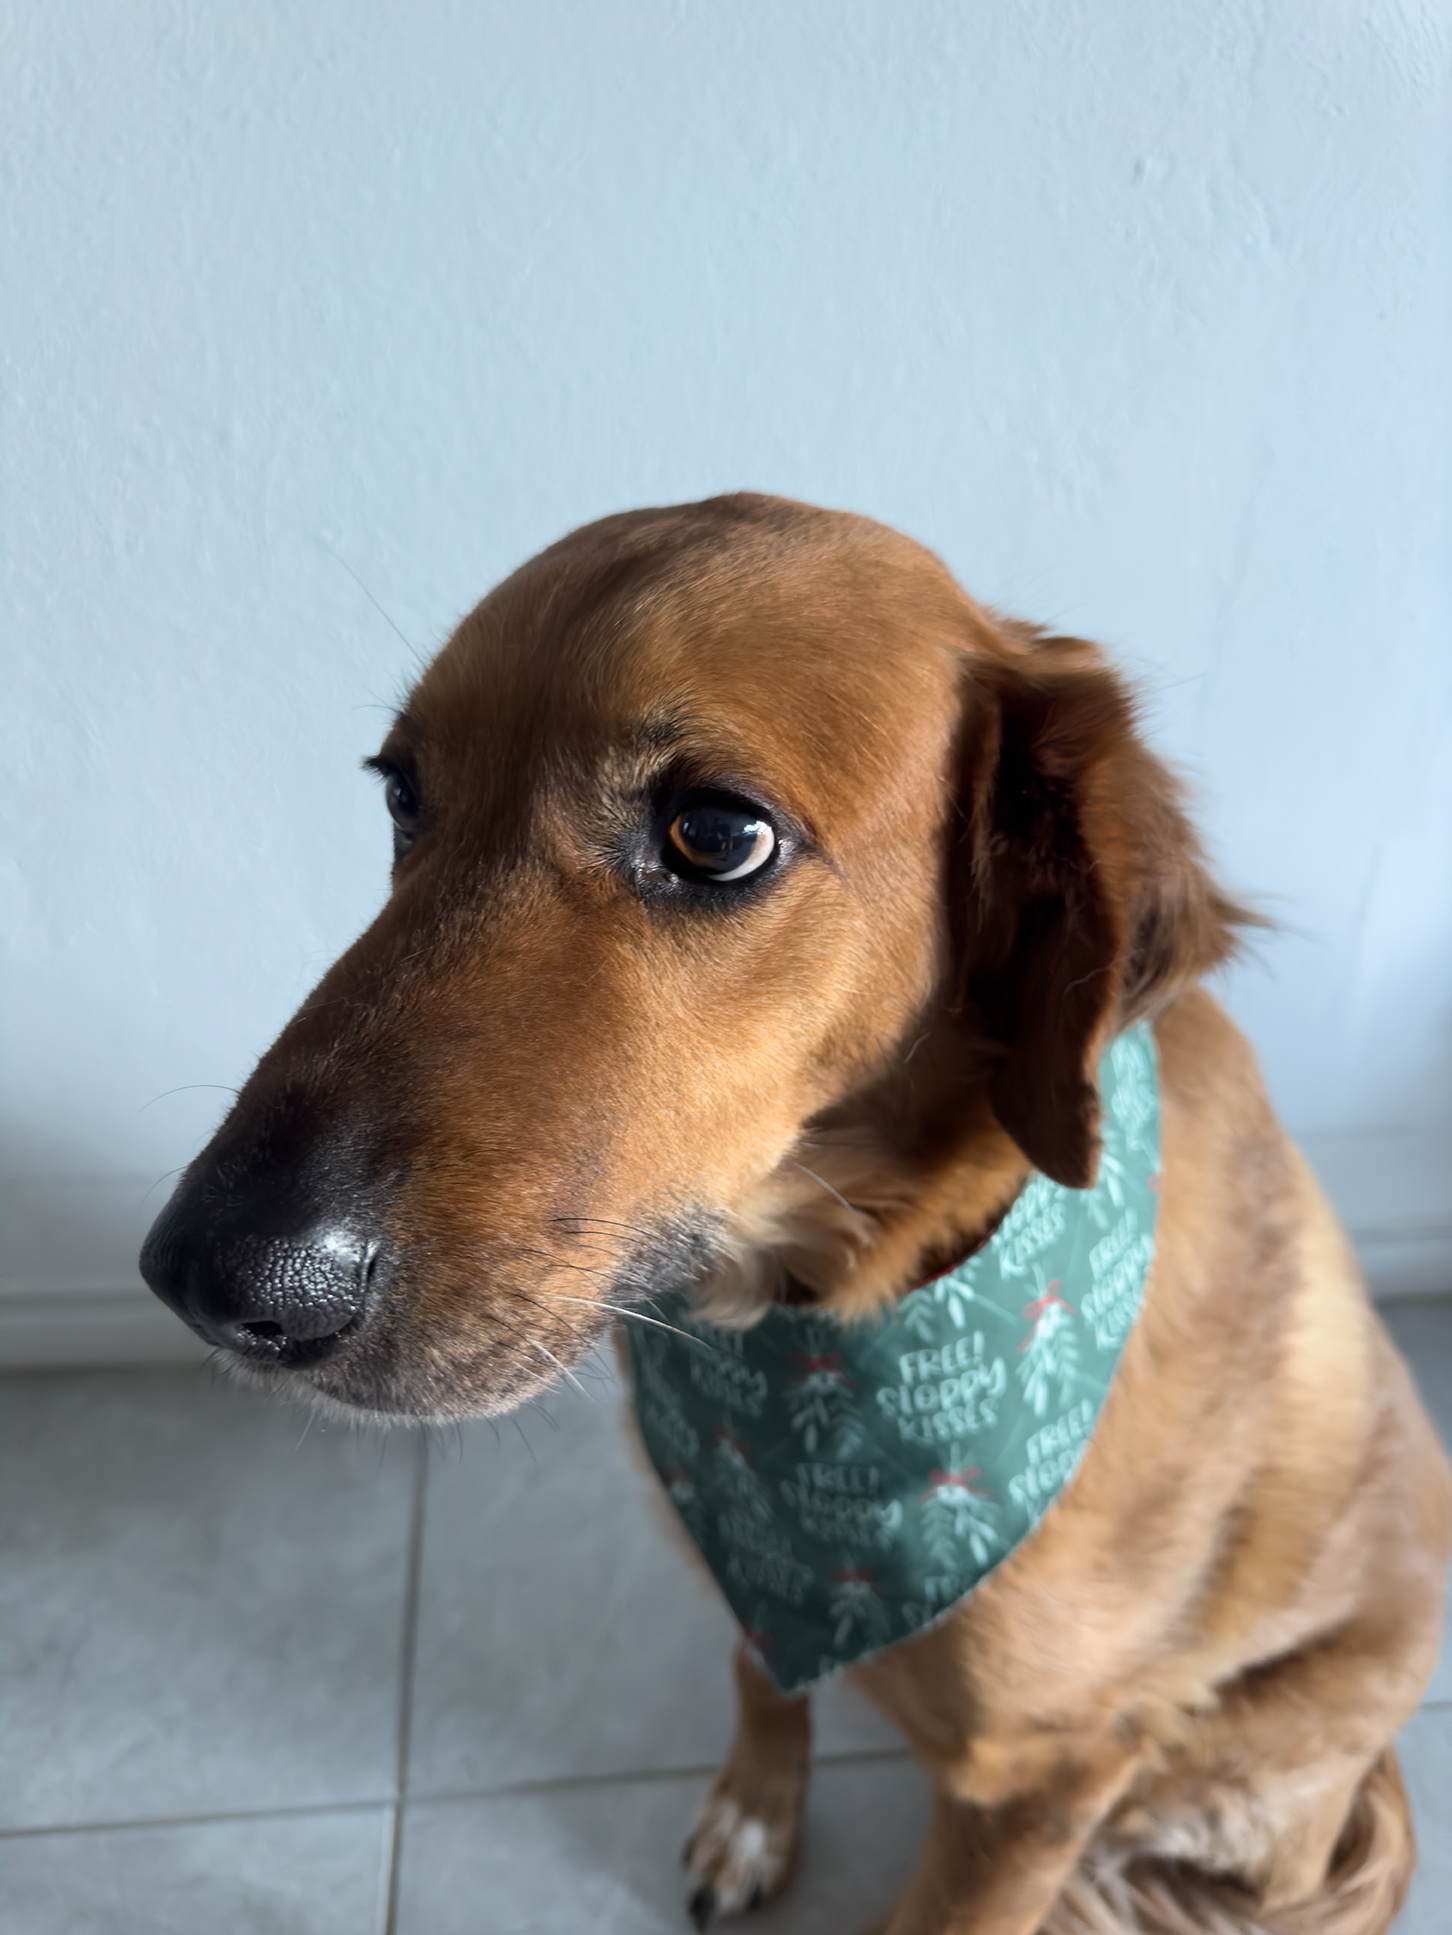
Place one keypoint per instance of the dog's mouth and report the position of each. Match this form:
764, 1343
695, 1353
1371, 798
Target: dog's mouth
428, 1344
389, 1369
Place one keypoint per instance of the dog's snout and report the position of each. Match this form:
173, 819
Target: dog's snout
286, 1297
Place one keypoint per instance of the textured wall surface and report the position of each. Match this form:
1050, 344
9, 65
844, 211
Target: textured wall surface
1137, 313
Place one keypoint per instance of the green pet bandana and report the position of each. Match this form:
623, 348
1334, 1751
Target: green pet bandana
849, 1483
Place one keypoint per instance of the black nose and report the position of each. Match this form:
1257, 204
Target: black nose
286, 1296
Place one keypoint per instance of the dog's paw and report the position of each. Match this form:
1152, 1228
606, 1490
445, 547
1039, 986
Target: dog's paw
740, 1856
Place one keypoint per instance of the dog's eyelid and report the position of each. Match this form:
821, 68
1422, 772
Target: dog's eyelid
677, 789
395, 766
396, 754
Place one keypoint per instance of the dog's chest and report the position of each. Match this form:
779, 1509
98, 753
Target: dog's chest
849, 1484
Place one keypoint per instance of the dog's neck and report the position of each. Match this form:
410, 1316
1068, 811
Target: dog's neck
877, 1197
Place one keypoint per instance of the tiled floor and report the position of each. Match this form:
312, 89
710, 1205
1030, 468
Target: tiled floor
234, 1639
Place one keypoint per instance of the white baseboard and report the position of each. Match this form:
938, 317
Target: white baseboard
72, 1329
69, 1295
1401, 1267
1393, 1190
69, 1289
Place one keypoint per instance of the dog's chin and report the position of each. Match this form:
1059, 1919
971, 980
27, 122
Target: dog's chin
430, 1392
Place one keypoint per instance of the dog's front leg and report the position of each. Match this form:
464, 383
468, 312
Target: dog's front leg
997, 1867
744, 1846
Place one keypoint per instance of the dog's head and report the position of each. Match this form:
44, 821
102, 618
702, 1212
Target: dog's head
760, 909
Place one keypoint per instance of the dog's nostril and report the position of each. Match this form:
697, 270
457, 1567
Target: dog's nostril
265, 1340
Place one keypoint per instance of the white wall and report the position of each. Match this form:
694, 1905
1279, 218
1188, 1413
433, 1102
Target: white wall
1136, 312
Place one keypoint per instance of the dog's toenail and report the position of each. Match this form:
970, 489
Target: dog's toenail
702, 1906
758, 1896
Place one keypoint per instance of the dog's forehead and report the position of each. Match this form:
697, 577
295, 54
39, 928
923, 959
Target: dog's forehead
811, 656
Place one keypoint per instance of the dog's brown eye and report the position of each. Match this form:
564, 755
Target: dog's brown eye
724, 842
402, 803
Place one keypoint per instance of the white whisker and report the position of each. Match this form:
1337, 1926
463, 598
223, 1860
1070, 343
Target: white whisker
563, 1369
828, 1187
592, 1303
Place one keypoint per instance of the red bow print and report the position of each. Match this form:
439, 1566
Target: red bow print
830, 1361
957, 1480
1032, 1312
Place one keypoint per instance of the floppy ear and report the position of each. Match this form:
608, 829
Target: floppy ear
1079, 899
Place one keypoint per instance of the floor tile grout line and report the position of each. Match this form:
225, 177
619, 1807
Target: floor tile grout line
408, 1662
303, 1810
565, 1783
637, 1777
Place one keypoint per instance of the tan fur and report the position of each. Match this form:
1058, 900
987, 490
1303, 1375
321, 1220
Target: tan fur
1170, 1710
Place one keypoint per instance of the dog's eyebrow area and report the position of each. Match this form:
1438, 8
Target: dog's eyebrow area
675, 749
665, 730
396, 749
672, 742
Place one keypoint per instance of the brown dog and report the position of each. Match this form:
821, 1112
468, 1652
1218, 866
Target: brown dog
579, 1059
